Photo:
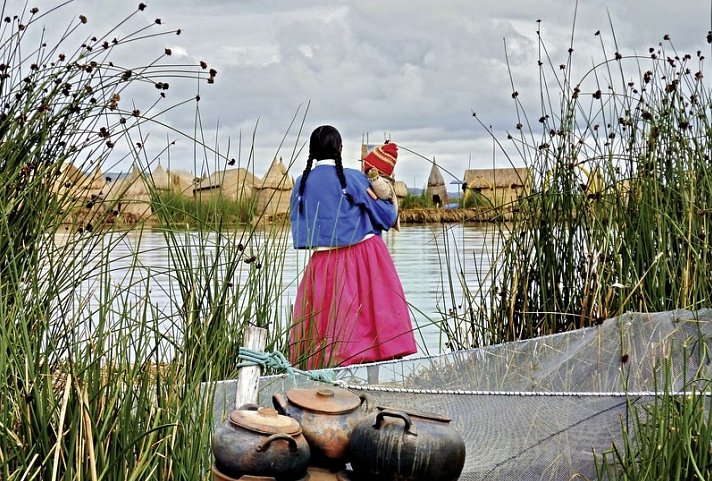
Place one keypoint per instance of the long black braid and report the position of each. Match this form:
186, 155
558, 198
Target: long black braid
305, 174
340, 172
324, 143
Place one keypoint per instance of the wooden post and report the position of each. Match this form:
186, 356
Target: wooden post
248, 377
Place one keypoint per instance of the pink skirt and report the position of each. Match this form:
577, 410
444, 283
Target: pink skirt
350, 309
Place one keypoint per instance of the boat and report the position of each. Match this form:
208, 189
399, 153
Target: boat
539, 408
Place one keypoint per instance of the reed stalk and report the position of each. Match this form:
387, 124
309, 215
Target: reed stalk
102, 382
666, 437
616, 215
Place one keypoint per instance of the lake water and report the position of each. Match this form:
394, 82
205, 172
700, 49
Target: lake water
432, 261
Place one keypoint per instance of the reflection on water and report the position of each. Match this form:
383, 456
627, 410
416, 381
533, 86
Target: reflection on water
432, 262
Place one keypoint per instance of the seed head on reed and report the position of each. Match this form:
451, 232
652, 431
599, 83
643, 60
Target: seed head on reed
60, 106
656, 142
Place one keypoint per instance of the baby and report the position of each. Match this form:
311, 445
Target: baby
378, 166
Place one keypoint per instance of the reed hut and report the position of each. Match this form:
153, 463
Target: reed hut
182, 181
230, 184
71, 184
401, 189
160, 179
129, 197
437, 190
80, 195
274, 191
97, 183
92, 197
500, 187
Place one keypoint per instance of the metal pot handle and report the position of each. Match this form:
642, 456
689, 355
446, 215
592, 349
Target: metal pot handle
280, 403
365, 401
286, 437
409, 427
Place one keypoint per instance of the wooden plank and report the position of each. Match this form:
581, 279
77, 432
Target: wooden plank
248, 378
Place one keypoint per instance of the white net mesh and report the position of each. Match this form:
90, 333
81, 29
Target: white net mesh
534, 409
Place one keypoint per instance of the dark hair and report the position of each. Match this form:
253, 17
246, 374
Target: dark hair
324, 143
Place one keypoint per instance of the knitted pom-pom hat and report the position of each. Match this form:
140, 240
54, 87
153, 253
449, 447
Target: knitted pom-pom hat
383, 158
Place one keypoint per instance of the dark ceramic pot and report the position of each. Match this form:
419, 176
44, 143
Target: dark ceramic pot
260, 442
397, 446
327, 417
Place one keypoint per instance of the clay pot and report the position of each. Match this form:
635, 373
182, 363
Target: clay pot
260, 442
328, 417
394, 445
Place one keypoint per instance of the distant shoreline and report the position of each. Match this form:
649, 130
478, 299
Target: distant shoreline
410, 216
436, 216
432, 215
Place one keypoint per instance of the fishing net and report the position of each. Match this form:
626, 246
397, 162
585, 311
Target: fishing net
534, 409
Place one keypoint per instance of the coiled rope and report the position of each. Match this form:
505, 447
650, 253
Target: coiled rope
277, 362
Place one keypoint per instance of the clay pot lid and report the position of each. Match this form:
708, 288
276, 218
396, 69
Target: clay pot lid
328, 400
265, 420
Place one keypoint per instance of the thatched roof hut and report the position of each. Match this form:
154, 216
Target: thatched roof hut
401, 189
97, 182
160, 179
497, 178
90, 198
233, 184
276, 177
130, 197
437, 190
502, 187
182, 181
72, 185
178, 181
274, 191
76, 193
71, 181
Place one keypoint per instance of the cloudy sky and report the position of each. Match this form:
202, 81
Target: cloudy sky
410, 70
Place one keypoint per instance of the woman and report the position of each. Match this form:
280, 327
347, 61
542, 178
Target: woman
350, 307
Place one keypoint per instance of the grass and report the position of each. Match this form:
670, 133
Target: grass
413, 201
667, 437
617, 215
176, 210
616, 220
102, 382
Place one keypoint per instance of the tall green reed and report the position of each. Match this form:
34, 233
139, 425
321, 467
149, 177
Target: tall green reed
229, 275
179, 211
617, 214
416, 201
100, 382
667, 436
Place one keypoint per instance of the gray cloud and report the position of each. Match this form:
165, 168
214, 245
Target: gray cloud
411, 69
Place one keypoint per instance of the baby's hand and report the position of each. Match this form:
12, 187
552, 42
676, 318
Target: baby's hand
382, 188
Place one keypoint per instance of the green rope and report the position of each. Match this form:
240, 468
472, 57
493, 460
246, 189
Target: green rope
277, 362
